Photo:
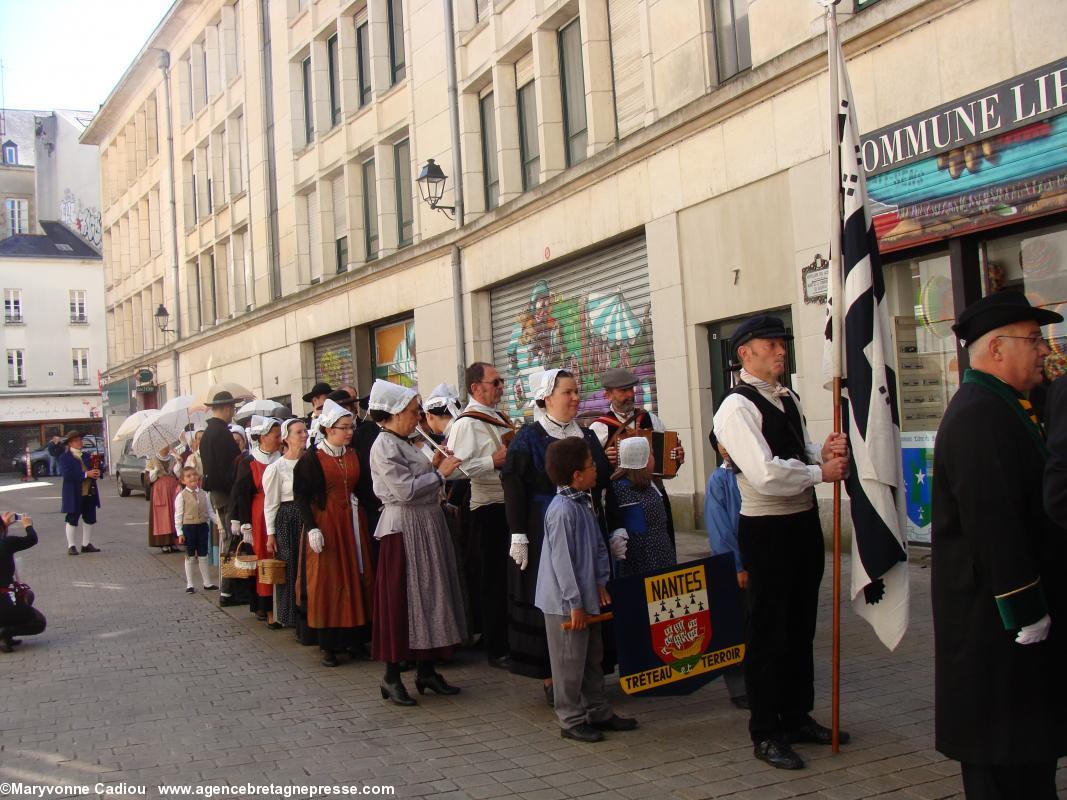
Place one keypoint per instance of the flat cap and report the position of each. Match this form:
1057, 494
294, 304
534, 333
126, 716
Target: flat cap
761, 326
618, 378
997, 310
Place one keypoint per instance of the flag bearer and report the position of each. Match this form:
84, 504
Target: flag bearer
761, 425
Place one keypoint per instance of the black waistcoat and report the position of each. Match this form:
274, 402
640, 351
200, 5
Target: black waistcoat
783, 430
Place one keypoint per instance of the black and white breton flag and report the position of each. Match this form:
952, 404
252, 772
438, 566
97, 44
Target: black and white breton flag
875, 485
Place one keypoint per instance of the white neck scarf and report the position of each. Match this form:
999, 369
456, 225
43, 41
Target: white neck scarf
773, 389
264, 458
560, 430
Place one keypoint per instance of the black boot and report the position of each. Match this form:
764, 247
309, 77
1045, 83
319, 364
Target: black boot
397, 693
436, 683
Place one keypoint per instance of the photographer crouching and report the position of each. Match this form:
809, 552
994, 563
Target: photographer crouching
18, 617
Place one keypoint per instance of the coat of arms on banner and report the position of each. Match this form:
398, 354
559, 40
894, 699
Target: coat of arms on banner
679, 617
677, 628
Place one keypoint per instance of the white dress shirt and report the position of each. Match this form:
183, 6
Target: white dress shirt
474, 442
277, 489
769, 486
194, 495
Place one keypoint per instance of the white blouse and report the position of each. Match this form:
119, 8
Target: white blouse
277, 489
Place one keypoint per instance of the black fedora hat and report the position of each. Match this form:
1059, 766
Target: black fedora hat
318, 389
761, 326
997, 310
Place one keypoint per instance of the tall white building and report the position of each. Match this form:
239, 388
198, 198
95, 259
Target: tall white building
52, 338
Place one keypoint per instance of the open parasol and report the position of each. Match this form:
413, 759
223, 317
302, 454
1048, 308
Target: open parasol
130, 425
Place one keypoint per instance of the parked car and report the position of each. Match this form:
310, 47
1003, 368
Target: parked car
130, 472
39, 458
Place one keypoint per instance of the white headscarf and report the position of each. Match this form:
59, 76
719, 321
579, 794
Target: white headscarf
235, 428
633, 453
258, 426
443, 396
331, 414
286, 424
542, 384
392, 398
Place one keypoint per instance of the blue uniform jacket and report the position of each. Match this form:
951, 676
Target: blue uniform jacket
73, 472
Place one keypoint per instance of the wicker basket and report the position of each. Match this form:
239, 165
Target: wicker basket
271, 571
240, 564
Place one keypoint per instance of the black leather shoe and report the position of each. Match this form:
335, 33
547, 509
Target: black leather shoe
229, 601
436, 683
812, 732
329, 659
189, 590
777, 754
616, 723
500, 662
72, 550
741, 701
210, 588
90, 548
582, 733
5, 646
550, 695
397, 693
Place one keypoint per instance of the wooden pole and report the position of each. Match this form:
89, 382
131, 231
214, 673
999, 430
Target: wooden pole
836, 287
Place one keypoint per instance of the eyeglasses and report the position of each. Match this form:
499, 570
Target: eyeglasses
495, 382
1035, 341
343, 428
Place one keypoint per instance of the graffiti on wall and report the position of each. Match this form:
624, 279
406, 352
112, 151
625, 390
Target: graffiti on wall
585, 333
84, 220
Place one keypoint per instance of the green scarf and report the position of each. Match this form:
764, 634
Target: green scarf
1013, 399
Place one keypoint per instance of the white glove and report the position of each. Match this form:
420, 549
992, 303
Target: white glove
1038, 632
235, 527
619, 541
315, 540
246, 533
520, 550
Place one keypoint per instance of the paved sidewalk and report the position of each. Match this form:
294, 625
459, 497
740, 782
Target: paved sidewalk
137, 683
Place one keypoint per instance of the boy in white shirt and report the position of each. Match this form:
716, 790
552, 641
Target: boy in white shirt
193, 515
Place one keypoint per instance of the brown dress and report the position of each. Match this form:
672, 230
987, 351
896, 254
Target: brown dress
339, 591
161, 497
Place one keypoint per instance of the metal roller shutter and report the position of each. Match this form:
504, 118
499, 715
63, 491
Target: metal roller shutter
333, 359
627, 65
586, 315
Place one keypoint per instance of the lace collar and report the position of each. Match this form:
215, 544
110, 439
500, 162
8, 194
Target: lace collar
560, 430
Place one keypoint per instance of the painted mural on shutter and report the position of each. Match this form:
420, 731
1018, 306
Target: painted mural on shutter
586, 316
627, 65
333, 359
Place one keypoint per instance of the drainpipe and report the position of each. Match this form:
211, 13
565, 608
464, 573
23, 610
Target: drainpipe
457, 168
164, 67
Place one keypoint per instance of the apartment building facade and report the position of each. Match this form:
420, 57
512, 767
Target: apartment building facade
636, 176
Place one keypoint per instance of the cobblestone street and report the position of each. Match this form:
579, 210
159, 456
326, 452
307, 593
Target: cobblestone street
135, 682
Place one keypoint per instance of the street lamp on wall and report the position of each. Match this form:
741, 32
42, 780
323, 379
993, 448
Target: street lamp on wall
431, 182
162, 317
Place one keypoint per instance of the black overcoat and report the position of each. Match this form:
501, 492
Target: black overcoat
996, 701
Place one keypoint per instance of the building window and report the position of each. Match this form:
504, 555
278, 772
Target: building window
13, 306
394, 353
363, 63
481, 10
396, 39
370, 210
335, 80
572, 82
16, 368
862, 4
77, 306
80, 356
405, 214
732, 49
529, 149
16, 215
341, 253
309, 119
490, 168
11, 153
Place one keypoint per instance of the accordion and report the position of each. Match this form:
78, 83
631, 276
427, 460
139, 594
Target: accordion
662, 444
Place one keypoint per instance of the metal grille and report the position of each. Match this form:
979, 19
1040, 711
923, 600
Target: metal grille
333, 359
586, 315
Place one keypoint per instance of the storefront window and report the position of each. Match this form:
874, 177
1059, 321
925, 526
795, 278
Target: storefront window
1034, 263
919, 297
394, 353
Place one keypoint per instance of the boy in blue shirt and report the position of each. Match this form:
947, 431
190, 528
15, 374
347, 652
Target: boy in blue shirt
722, 510
571, 586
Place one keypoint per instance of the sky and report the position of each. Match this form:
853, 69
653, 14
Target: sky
70, 53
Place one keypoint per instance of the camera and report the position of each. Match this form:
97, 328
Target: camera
18, 517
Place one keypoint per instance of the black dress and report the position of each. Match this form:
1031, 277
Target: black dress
527, 494
16, 619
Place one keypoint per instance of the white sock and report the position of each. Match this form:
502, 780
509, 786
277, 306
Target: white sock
87, 534
189, 572
72, 535
205, 571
